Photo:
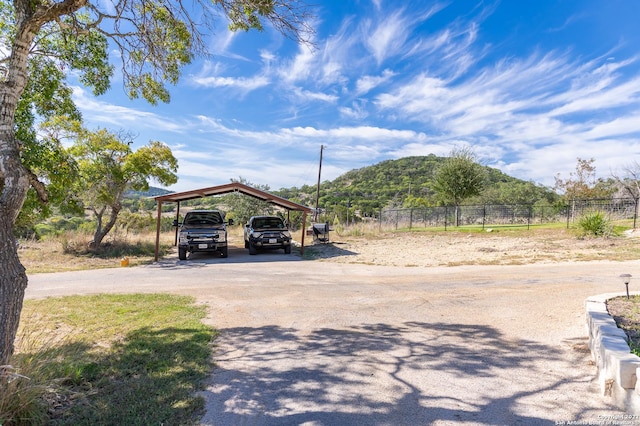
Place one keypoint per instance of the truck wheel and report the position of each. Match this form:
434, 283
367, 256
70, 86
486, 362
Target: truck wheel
224, 251
252, 248
287, 250
246, 244
182, 253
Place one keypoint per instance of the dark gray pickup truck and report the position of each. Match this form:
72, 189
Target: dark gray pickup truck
203, 231
266, 232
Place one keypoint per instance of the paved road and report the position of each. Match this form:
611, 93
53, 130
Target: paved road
317, 343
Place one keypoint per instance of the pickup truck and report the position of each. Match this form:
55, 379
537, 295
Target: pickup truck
266, 232
203, 231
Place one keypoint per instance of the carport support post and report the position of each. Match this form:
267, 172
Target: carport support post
158, 231
304, 231
175, 239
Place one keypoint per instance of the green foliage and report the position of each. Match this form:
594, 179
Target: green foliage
108, 168
241, 207
56, 225
405, 183
512, 191
459, 177
596, 224
44, 229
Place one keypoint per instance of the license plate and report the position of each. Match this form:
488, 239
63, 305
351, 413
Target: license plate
273, 240
203, 246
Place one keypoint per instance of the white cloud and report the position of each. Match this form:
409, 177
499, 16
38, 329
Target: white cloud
386, 38
357, 111
245, 84
97, 111
367, 83
308, 95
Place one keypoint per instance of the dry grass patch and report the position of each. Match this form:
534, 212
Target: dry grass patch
71, 252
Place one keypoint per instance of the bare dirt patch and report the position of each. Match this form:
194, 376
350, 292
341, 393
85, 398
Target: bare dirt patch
453, 248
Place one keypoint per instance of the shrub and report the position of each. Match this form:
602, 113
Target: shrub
43, 229
595, 224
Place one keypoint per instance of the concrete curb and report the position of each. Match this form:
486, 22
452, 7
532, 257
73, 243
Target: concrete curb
618, 368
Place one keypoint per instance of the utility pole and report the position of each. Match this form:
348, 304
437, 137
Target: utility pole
315, 214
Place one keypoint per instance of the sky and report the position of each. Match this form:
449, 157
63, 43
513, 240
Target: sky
529, 86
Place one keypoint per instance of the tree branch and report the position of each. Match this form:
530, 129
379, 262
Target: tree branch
39, 187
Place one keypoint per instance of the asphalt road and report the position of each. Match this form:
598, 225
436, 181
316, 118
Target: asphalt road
321, 343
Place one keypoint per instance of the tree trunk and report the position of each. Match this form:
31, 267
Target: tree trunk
101, 232
457, 215
14, 184
15, 181
13, 283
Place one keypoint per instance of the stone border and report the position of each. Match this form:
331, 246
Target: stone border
618, 368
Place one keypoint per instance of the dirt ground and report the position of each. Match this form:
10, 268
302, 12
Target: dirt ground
423, 249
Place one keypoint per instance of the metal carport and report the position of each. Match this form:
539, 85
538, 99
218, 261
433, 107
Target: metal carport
177, 197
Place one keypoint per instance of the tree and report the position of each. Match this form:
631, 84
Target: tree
245, 206
459, 177
629, 183
108, 167
579, 184
583, 183
155, 39
46, 96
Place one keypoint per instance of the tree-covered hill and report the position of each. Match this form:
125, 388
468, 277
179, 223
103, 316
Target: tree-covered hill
408, 182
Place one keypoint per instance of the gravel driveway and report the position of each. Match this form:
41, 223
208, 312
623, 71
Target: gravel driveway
321, 343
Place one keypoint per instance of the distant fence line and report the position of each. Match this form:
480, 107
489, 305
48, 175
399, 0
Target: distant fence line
492, 215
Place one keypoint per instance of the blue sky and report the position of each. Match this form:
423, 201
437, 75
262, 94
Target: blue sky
529, 85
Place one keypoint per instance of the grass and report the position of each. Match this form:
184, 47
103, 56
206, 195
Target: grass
108, 359
70, 251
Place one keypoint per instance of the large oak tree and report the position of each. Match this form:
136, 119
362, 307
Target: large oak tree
155, 39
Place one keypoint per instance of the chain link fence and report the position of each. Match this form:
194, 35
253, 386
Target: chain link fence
502, 215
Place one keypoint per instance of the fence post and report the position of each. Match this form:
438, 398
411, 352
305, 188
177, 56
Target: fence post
635, 212
568, 213
484, 215
411, 218
529, 218
380, 222
397, 218
445, 217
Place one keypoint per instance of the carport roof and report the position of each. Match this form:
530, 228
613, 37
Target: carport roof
176, 197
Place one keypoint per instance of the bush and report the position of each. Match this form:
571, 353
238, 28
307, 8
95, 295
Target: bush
595, 224
43, 229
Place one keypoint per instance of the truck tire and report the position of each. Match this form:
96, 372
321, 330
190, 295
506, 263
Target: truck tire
252, 249
287, 250
182, 253
224, 251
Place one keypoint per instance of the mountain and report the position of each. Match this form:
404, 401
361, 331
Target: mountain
407, 182
152, 192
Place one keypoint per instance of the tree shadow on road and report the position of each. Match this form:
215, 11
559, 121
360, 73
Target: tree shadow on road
413, 373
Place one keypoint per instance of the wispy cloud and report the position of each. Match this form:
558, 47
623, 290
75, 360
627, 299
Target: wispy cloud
386, 38
210, 77
245, 84
368, 82
118, 116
